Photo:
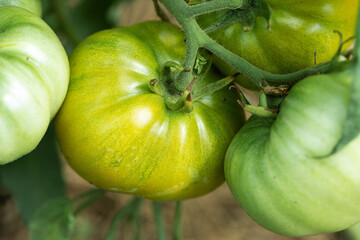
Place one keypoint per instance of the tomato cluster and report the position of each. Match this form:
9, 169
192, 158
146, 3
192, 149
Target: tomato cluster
118, 133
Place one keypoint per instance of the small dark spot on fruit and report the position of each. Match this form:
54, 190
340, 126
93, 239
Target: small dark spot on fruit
224, 99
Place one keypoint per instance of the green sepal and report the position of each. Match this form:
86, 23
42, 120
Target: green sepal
213, 87
180, 103
247, 14
262, 110
176, 99
188, 106
165, 86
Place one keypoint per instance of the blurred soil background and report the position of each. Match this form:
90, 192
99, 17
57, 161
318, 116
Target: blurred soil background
215, 216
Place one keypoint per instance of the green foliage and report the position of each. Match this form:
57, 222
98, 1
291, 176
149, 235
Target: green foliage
74, 22
35, 178
55, 220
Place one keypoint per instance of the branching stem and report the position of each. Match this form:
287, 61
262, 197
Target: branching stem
196, 38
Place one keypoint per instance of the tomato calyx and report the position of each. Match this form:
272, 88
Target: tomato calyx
177, 99
165, 86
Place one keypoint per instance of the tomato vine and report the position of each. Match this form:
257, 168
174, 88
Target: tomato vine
197, 38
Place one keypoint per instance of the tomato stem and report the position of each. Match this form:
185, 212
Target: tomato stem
160, 226
177, 221
197, 38
129, 208
215, 86
207, 7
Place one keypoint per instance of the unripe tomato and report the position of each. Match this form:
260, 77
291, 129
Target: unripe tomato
33, 6
34, 77
283, 173
120, 136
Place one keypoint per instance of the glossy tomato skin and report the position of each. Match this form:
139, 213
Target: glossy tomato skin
120, 136
297, 29
282, 172
34, 77
33, 6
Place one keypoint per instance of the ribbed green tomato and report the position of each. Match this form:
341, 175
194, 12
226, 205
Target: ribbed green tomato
282, 172
34, 75
297, 29
120, 136
33, 6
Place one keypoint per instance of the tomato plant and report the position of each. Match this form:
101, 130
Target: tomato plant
288, 40
147, 114
119, 135
34, 80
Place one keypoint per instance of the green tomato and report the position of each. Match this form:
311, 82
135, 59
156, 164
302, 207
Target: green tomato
282, 171
34, 77
296, 30
33, 6
120, 136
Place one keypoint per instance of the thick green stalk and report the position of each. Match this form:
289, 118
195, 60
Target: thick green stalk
258, 75
212, 6
160, 226
196, 38
177, 221
185, 15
